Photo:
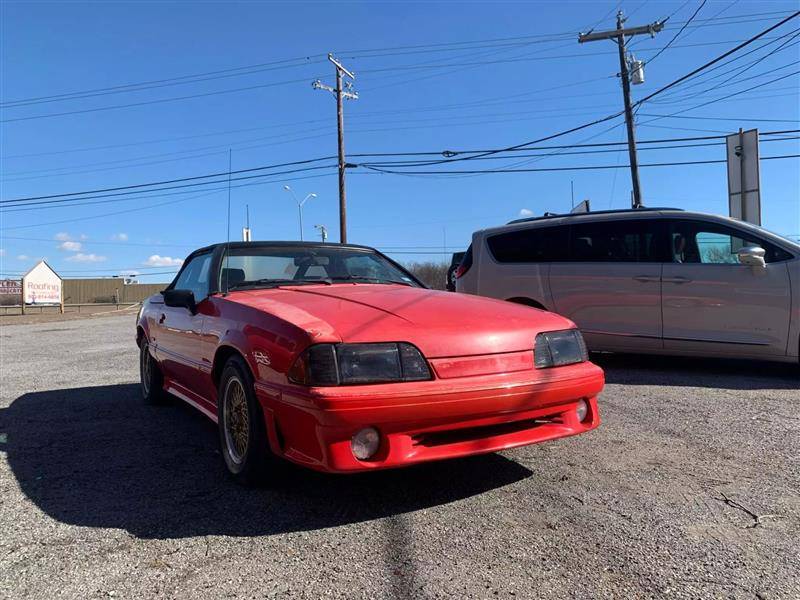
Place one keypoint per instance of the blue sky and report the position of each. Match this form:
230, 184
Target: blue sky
432, 76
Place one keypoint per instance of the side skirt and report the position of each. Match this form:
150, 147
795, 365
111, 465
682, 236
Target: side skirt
201, 404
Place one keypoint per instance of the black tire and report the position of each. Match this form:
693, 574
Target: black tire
150, 378
249, 461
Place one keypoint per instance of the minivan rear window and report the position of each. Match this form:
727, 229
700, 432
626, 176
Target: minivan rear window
623, 240
533, 244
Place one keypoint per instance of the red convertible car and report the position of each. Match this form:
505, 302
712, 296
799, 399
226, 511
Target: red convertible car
336, 358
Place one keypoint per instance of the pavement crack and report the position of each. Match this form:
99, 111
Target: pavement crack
757, 519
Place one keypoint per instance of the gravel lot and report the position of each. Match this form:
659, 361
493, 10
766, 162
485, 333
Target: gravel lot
689, 489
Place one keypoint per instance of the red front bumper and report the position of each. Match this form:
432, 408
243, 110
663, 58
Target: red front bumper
429, 420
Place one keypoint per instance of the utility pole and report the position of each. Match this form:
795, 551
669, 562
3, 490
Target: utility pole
340, 93
618, 35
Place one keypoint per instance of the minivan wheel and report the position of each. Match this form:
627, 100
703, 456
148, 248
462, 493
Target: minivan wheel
150, 377
242, 434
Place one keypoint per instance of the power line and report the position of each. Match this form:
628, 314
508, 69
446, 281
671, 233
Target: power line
556, 169
158, 101
735, 79
211, 93
166, 181
583, 152
129, 191
158, 83
768, 41
723, 118
148, 207
677, 35
758, 86
638, 103
718, 59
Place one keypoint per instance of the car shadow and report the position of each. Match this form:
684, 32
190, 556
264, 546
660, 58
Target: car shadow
636, 369
98, 457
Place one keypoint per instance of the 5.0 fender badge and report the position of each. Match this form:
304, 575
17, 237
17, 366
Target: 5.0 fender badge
262, 358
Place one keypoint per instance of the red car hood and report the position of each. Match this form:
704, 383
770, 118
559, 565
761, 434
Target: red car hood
439, 323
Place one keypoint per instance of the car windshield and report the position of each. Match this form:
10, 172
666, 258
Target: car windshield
271, 266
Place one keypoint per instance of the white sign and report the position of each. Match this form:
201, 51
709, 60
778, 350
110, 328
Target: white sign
10, 287
744, 179
41, 285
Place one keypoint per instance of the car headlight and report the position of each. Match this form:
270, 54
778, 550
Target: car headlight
349, 364
558, 348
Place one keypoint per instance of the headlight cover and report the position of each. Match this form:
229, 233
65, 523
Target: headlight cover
559, 348
353, 364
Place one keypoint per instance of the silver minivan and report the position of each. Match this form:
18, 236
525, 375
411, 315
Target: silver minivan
660, 281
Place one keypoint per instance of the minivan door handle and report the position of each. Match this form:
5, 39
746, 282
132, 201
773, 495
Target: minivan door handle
646, 278
678, 279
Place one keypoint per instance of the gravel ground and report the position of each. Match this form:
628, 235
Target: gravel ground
689, 489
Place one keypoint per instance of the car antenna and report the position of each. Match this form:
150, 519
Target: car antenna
228, 241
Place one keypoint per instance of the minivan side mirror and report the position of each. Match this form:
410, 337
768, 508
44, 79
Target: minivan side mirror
752, 256
180, 298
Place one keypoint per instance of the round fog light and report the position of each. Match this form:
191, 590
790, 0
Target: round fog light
581, 410
365, 443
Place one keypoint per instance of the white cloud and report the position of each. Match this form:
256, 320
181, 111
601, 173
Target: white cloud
62, 237
22, 257
81, 257
525, 212
68, 246
120, 237
83, 236
2, 251
163, 261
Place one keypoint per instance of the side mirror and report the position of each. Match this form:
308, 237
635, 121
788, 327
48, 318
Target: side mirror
752, 256
181, 298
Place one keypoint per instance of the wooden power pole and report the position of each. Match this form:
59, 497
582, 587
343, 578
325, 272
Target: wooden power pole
340, 94
618, 35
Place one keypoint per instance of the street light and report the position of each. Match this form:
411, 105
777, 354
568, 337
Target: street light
323, 231
299, 206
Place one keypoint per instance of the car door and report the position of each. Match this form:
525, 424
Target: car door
611, 286
180, 339
712, 304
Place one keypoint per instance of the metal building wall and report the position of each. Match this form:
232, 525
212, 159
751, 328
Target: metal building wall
82, 291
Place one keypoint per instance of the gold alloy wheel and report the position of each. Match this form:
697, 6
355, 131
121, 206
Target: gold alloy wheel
236, 417
145, 366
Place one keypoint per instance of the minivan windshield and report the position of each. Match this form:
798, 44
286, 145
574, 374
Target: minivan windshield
760, 228
272, 266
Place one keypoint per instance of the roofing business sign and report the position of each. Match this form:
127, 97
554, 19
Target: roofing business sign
41, 285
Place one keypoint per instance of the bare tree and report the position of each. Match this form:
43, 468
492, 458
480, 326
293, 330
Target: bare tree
432, 274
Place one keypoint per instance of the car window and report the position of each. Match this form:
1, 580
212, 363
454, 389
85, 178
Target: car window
709, 243
626, 240
531, 245
195, 276
254, 267
367, 265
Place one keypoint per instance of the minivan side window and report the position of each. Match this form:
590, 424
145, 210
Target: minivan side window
710, 243
195, 277
624, 240
531, 245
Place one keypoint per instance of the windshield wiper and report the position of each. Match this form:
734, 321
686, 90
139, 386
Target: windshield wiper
278, 282
359, 278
